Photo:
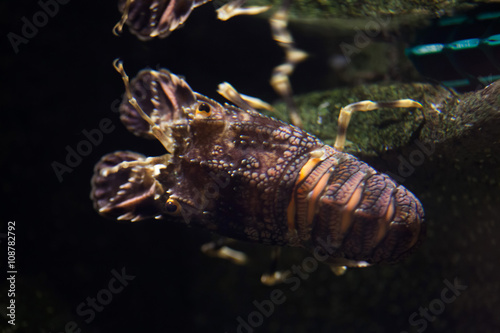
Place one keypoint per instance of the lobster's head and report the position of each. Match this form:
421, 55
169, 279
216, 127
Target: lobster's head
184, 183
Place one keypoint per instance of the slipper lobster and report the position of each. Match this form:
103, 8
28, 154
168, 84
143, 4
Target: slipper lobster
250, 177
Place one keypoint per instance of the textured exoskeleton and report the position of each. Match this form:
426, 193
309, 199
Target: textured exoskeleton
148, 19
250, 177
154, 18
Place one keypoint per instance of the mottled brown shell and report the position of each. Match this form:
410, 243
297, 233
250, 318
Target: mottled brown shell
250, 177
156, 18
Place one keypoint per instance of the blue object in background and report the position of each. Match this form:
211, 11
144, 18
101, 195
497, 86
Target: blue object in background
461, 51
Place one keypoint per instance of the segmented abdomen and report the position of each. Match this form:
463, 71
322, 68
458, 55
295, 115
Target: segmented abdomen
362, 214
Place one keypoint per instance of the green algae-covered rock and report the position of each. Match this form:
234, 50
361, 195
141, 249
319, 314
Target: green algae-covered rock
446, 117
324, 9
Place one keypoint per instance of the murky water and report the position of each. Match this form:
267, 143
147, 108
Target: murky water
76, 271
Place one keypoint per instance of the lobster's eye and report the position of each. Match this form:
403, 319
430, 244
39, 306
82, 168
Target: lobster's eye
173, 207
204, 110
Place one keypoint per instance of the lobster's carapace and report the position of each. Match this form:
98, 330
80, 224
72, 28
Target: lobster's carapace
247, 176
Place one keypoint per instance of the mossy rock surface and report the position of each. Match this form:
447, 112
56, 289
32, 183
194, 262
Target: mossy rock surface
326, 9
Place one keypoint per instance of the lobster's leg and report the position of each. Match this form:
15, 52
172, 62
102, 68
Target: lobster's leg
347, 111
280, 79
118, 28
219, 249
242, 101
274, 276
234, 8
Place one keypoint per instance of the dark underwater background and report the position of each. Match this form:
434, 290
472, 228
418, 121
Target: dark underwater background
61, 84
